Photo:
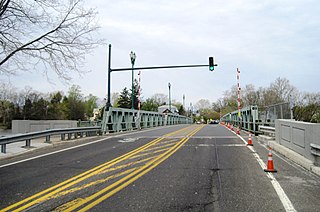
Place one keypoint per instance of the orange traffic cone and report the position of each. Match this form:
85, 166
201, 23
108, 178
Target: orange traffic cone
228, 125
270, 167
250, 140
238, 130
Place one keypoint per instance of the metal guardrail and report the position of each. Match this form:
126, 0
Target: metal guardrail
79, 131
271, 131
315, 149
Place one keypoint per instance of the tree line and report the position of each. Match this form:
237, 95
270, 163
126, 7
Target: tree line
30, 104
33, 105
305, 105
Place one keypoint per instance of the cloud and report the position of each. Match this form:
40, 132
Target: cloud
264, 38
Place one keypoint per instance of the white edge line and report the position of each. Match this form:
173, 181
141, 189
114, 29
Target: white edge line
51, 153
287, 204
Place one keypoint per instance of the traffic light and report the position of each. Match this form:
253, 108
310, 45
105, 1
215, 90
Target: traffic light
211, 64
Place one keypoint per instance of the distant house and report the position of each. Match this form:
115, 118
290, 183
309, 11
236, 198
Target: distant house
166, 109
96, 114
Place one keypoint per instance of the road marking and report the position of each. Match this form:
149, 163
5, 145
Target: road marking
79, 188
128, 140
219, 145
67, 205
287, 204
65, 184
127, 165
65, 192
149, 153
198, 137
214, 137
49, 192
55, 152
124, 182
160, 146
81, 145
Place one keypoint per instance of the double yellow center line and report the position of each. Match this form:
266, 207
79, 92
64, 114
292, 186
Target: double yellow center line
128, 176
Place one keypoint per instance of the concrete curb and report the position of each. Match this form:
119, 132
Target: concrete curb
288, 153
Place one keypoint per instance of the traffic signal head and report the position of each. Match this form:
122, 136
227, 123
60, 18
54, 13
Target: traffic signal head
211, 64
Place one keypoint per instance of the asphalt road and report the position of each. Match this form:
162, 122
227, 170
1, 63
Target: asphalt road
176, 168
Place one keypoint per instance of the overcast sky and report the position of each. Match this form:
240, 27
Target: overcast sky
266, 39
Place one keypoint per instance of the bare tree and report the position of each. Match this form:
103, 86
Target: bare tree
202, 104
45, 33
283, 89
7, 91
160, 98
114, 98
249, 95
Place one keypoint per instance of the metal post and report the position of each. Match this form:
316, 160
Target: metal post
132, 87
184, 99
239, 101
109, 79
48, 139
169, 85
133, 58
191, 110
28, 142
3, 148
139, 101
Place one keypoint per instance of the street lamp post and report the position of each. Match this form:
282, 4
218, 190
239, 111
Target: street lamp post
191, 110
169, 85
133, 58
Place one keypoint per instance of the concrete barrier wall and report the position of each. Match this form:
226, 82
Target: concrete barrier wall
25, 126
298, 136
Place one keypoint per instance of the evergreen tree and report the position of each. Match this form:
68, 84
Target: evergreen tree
40, 109
56, 111
27, 109
124, 99
181, 110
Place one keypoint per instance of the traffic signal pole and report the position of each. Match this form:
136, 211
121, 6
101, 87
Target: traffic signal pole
139, 68
109, 78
